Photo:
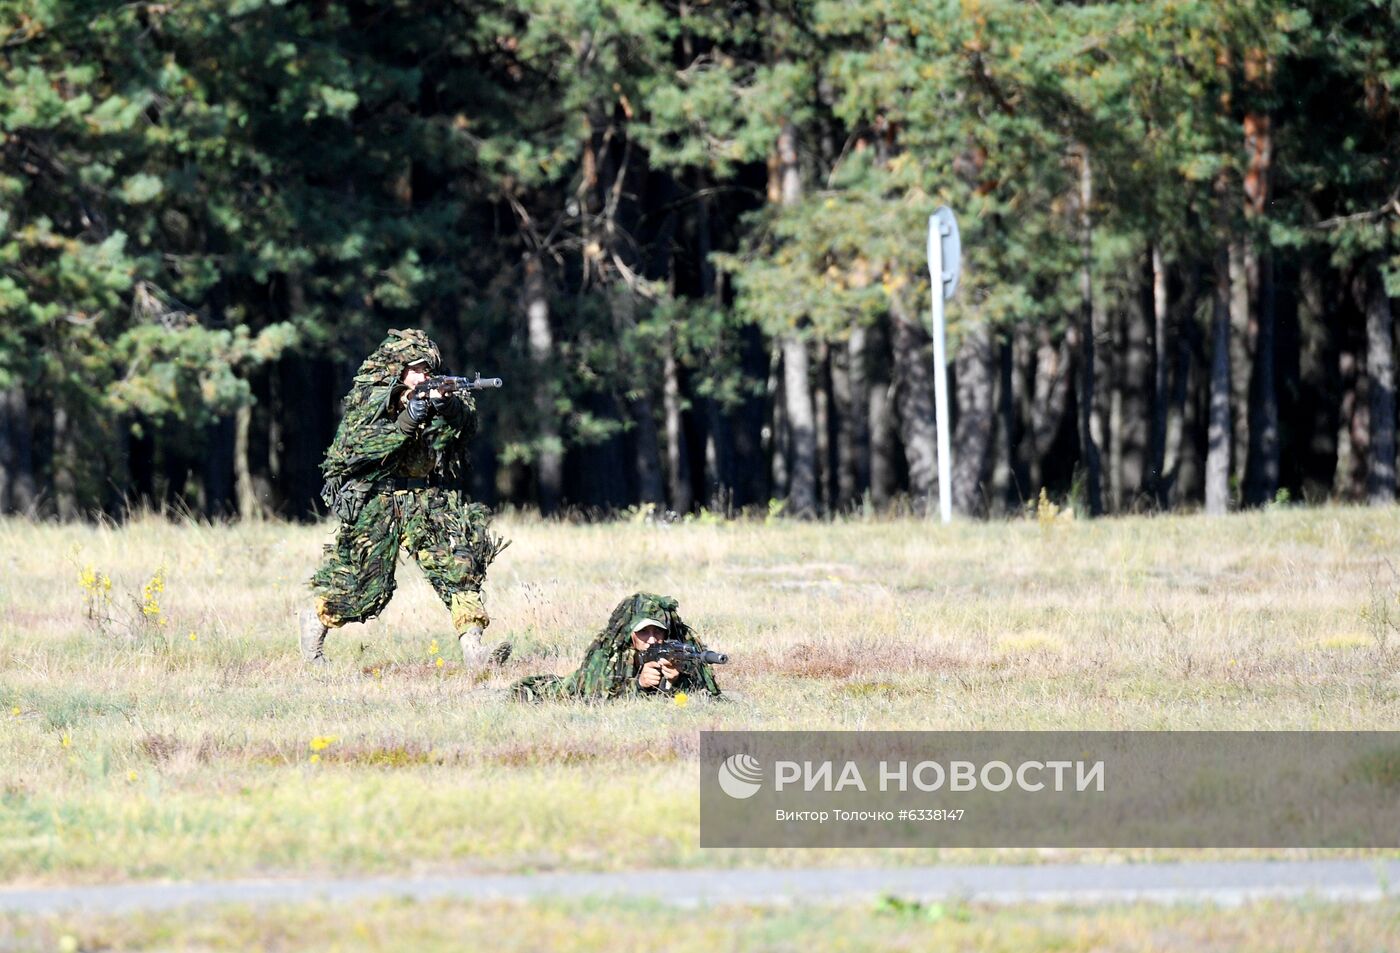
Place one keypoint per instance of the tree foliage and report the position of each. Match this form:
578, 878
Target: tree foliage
197, 196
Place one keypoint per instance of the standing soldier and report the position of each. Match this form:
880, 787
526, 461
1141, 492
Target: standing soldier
395, 476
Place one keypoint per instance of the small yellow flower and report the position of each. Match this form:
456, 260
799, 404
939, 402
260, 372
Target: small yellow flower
433, 649
681, 699
315, 759
193, 637
379, 673
150, 603
131, 775
439, 662
15, 711
66, 740
322, 742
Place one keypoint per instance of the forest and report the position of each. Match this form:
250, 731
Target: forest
690, 237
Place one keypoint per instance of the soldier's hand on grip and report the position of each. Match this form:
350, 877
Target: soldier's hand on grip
420, 409
650, 676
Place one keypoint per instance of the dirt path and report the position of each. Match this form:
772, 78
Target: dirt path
1225, 883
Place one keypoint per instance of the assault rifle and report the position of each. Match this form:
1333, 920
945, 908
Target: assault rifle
682, 655
447, 384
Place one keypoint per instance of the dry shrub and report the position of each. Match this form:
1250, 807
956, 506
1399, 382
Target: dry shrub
160, 748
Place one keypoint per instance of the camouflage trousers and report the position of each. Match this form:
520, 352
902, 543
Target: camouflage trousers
446, 535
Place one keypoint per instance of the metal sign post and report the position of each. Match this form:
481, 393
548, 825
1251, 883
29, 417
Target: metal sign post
944, 263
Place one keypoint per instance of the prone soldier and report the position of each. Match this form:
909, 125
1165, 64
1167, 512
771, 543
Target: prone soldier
645, 649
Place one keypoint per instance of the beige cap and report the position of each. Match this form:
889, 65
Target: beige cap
642, 624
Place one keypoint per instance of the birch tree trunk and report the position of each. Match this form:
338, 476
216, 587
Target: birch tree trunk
1380, 374
250, 506
797, 387
1181, 469
1108, 378
719, 466
1088, 446
1262, 469
1261, 477
1241, 364
1353, 427
1023, 380
1157, 439
677, 457
1136, 387
549, 458
801, 428
776, 441
1218, 437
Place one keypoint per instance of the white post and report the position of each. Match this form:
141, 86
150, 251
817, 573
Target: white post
940, 369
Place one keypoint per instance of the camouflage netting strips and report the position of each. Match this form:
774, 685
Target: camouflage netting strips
444, 533
610, 665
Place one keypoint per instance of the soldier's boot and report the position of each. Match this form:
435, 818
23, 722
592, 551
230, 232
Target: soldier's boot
313, 638
475, 654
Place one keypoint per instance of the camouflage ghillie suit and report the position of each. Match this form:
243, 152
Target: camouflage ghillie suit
393, 482
611, 665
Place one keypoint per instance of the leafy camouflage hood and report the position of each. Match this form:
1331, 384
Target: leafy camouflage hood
610, 665
400, 349
639, 606
371, 396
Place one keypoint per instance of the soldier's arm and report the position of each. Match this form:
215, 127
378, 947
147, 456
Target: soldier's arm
370, 440
601, 676
456, 417
625, 685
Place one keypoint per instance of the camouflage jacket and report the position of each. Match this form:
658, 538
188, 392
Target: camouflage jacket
611, 665
376, 440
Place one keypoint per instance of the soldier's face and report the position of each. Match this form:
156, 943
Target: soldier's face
414, 375
647, 636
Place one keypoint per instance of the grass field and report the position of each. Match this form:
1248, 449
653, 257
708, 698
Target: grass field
889, 925
176, 734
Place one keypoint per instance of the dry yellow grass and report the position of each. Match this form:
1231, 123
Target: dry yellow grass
136, 748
